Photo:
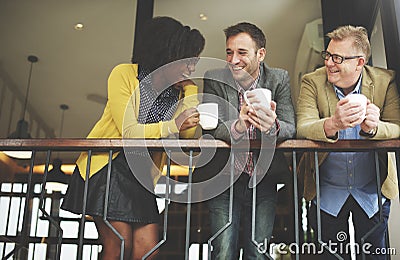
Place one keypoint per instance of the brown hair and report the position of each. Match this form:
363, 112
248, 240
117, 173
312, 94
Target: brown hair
255, 33
359, 35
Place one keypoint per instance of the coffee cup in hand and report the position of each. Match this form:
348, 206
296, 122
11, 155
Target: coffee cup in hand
263, 96
208, 115
360, 100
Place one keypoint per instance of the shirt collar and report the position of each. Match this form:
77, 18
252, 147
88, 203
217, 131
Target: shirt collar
357, 89
252, 86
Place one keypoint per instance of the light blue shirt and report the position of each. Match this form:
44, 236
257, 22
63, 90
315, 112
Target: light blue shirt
349, 173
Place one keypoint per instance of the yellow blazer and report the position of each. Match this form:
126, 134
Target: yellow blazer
120, 115
317, 101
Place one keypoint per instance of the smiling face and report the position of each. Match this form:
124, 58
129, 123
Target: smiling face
244, 58
346, 74
182, 69
173, 72
179, 70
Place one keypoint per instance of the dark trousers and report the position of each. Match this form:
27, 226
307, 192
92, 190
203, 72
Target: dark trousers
335, 230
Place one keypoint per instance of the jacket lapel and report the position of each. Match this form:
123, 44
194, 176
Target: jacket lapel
331, 97
262, 82
367, 86
231, 91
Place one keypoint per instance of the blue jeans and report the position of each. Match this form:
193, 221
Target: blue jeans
331, 226
226, 245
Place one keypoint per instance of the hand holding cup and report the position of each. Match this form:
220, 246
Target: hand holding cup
350, 111
357, 102
258, 96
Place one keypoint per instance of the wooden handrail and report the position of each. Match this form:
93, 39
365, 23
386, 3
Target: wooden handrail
196, 144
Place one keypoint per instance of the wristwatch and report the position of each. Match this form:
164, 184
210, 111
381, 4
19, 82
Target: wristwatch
274, 130
369, 134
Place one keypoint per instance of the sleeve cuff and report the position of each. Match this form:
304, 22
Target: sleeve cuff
369, 134
190, 90
274, 130
234, 133
168, 128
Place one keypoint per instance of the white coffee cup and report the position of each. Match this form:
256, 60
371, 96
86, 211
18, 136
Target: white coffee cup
208, 115
358, 99
262, 94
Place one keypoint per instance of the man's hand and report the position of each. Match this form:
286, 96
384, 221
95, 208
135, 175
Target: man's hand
261, 117
243, 121
371, 120
346, 115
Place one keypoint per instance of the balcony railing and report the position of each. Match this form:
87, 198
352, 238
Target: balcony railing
20, 239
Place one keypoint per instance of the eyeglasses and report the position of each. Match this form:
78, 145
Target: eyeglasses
337, 58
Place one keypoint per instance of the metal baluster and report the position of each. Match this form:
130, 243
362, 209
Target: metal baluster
8, 215
378, 187
319, 207
48, 216
253, 209
318, 197
36, 230
189, 205
167, 200
26, 221
232, 163
296, 202
82, 221
398, 168
121, 257
253, 219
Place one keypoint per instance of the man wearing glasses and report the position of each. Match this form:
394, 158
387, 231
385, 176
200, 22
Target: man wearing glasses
348, 179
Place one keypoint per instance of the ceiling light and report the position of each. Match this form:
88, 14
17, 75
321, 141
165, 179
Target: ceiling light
78, 26
22, 126
203, 17
63, 107
57, 174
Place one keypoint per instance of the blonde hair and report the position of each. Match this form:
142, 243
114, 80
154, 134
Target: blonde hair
359, 35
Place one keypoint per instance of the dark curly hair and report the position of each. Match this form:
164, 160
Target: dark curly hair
164, 40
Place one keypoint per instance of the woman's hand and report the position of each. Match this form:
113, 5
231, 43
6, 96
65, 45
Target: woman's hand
187, 119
